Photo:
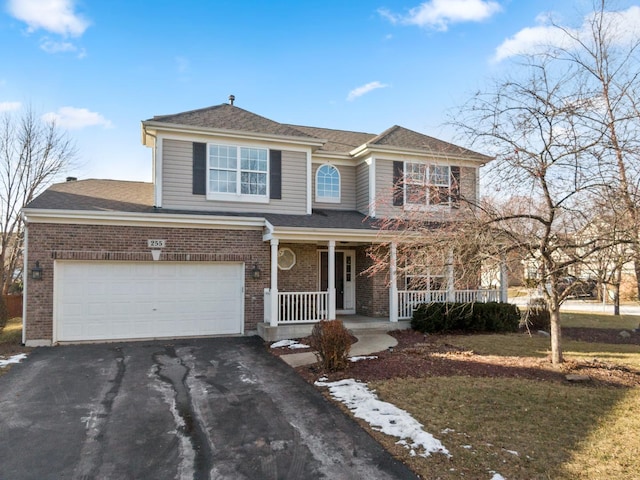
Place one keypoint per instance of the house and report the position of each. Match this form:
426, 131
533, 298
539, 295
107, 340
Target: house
249, 225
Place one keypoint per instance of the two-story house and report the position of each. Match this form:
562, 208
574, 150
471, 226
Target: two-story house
249, 225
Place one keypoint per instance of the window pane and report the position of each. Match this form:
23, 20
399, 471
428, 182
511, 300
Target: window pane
416, 173
439, 175
222, 181
254, 159
253, 183
328, 182
416, 194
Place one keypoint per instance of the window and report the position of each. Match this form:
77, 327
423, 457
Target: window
239, 171
427, 184
425, 282
328, 184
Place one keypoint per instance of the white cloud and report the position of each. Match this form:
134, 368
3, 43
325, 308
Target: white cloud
56, 16
76, 118
10, 106
439, 14
531, 40
358, 92
53, 46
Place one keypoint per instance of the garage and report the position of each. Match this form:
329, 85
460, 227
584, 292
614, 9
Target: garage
129, 300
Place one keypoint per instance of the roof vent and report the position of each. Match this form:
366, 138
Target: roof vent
231, 99
72, 179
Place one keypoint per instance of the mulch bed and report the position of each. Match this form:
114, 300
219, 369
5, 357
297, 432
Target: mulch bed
417, 355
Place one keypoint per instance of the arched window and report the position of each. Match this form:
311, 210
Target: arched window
328, 184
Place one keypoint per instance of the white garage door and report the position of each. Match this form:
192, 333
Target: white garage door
113, 300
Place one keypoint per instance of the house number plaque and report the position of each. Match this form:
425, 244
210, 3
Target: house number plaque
156, 243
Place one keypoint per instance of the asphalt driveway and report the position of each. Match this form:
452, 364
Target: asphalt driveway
220, 408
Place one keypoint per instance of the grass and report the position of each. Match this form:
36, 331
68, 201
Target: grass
11, 334
11, 340
525, 429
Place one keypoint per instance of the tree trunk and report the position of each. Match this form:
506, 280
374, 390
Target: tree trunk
636, 266
616, 291
556, 335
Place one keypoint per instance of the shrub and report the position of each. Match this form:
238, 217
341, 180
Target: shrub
536, 315
496, 317
332, 342
466, 317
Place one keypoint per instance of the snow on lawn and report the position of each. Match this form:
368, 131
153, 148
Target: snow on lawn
13, 359
384, 417
292, 344
357, 359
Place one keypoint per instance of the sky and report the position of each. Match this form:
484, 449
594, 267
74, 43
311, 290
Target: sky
98, 68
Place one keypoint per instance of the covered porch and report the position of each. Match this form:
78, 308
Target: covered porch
318, 276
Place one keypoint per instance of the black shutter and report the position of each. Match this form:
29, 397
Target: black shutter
275, 174
454, 194
398, 185
199, 168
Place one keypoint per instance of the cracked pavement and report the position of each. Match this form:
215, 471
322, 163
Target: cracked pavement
213, 408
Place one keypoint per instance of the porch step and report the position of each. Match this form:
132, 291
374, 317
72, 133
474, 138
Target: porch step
285, 332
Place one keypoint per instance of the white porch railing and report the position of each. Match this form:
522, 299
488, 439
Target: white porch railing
409, 300
297, 307
311, 307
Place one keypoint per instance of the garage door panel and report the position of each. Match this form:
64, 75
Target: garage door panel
112, 300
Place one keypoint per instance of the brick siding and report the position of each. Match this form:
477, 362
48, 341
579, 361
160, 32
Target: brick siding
48, 242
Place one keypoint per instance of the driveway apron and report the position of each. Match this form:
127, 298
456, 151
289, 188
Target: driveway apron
220, 408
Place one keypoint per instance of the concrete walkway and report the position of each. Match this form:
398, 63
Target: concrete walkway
369, 342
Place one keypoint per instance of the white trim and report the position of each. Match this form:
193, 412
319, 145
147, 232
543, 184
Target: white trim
87, 217
158, 165
372, 187
205, 133
25, 276
414, 152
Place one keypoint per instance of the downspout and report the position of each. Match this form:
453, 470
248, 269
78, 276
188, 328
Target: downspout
25, 276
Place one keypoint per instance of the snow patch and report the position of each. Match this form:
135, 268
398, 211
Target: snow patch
497, 476
357, 359
384, 417
13, 359
292, 344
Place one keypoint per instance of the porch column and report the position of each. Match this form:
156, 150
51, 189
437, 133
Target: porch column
504, 281
393, 280
274, 283
451, 288
331, 279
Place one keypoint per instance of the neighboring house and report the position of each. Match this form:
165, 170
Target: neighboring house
249, 225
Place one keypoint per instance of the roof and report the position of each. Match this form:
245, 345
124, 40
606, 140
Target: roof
230, 117
233, 118
137, 197
97, 195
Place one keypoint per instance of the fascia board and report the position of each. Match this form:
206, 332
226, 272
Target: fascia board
370, 150
91, 217
307, 235
171, 127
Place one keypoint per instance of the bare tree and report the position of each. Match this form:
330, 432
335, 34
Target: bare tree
604, 56
547, 168
32, 153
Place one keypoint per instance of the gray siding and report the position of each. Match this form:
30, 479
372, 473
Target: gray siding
347, 188
362, 188
177, 183
384, 190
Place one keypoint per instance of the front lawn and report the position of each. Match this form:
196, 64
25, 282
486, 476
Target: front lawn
502, 410
11, 341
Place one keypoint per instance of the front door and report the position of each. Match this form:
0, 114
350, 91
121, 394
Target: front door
344, 279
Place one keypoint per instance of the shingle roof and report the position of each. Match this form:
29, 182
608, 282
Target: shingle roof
398, 136
337, 140
137, 197
230, 117
99, 195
